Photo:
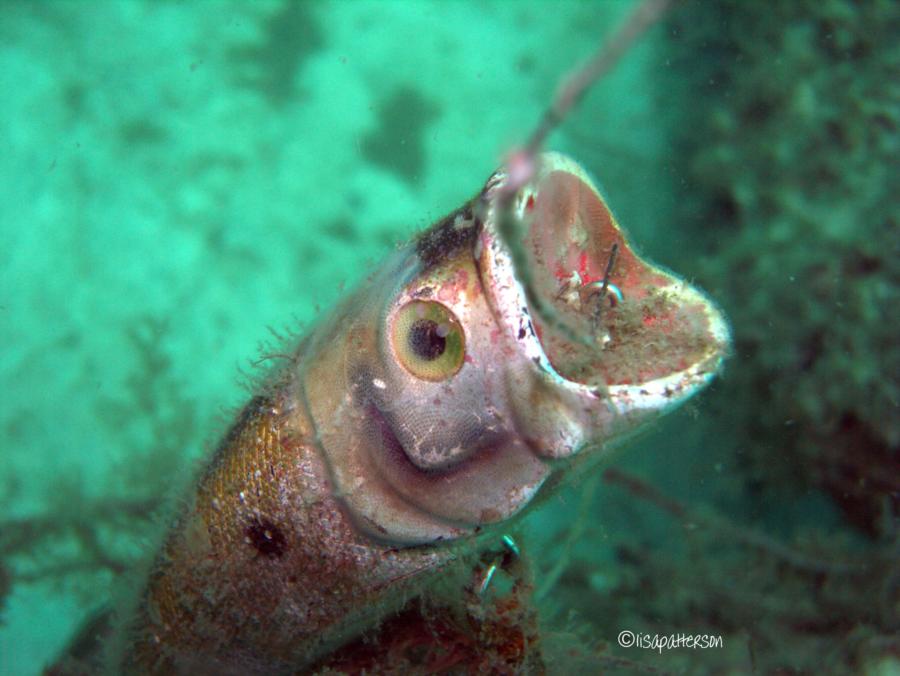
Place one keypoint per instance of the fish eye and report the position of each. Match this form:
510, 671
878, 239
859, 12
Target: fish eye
428, 340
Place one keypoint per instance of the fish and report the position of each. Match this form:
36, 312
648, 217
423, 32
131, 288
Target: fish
357, 512
403, 435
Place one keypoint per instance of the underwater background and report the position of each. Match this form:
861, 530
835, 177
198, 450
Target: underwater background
181, 180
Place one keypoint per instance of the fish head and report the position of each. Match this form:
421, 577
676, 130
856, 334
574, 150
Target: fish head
474, 368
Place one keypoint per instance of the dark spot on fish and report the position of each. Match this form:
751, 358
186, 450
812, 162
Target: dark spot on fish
266, 538
521, 333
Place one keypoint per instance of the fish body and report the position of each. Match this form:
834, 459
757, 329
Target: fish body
431, 407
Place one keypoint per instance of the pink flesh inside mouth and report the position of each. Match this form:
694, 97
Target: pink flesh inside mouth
643, 327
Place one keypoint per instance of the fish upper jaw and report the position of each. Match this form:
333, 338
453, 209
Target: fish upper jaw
595, 359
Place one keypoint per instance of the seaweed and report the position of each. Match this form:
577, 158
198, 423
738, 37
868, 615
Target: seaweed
90, 542
793, 155
788, 208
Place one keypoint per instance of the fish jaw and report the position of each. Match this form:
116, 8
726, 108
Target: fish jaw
606, 339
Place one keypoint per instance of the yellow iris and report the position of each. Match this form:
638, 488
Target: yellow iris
428, 340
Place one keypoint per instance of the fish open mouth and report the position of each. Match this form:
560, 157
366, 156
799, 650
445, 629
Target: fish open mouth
586, 307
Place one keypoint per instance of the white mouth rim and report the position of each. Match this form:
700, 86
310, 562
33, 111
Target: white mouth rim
512, 307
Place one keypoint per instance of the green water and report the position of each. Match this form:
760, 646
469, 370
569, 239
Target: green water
176, 178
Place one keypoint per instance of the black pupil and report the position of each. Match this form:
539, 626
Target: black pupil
425, 341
